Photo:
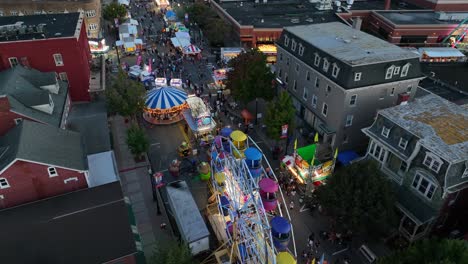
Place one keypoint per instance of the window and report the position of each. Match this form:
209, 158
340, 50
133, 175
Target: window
353, 100
304, 94
92, 27
18, 120
295, 85
335, 71
383, 92
297, 67
396, 71
349, 120
403, 167
403, 143
424, 185
281, 56
389, 73
13, 61
301, 50
293, 45
52, 172
377, 151
357, 76
280, 73
324, 109
410, 87
317, 60
70, 179
4, 183
345, 138
13, 12
286, 78
308, 75
64, 77
286, 41
404, 70
90, 13
465, 173
328, 89
432, 162
314, 101
317, 82
58, 59
392, 93
326, 64
385, 131
287, 61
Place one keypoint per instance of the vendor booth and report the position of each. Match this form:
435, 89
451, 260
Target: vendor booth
305, 167
220, 76
198, 117
177, 83
269, 50
228, 54
160, 82
98, 46
162, 3
170, 16
191, 50
165, 105
180, 43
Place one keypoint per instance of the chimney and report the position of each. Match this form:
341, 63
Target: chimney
357, 22
387, 4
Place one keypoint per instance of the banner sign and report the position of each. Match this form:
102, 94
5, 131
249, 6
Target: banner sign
284, 131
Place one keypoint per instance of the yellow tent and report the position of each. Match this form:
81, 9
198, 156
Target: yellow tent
285, 258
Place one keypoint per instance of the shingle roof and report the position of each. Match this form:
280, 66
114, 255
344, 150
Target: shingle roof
22, 87
86, 226
349, 45
442, 126
45, 144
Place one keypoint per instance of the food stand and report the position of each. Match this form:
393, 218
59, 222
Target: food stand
219, 76
198, 118
177, 83
161, 82
228, 54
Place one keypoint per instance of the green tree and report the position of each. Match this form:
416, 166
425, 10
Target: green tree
216, 32
137, 141
250, 77
431, 251
200, 14
360, 198
114, 10
172, 253
279, 112
125, 97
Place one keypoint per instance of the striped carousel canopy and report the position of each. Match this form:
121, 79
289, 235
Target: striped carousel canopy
165, 98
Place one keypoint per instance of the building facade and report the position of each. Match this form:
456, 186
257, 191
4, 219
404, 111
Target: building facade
339, 77
32, 95
422, 146
49, 43
90, 8
38, 161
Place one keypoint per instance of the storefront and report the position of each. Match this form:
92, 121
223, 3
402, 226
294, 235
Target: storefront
269, 50
98, 46
228, 54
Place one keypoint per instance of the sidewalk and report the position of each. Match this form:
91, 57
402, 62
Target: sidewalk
136, 186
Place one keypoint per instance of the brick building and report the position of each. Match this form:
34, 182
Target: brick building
32, 95
38, 161
49, 43
90, 8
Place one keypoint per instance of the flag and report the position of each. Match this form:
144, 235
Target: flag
322, 259
336, 154
316, 139
295, 144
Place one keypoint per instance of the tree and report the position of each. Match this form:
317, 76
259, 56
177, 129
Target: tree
360, 198
209, 21
216, 32
431, 251
114, 10
137, 141
250, 77
125, 97
172, 253
279, 112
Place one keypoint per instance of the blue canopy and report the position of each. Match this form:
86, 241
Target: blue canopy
280, 225
165, 98
226, 131
346, 157
252, 154
170, 14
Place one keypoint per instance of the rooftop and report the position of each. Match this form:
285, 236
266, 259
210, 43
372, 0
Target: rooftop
86, 226
441, 125
350, 45
414, 17
279, 14
13, 28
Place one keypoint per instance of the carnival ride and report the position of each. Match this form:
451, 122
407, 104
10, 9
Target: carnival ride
244, 209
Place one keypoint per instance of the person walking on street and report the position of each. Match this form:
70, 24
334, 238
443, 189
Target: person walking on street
291, 205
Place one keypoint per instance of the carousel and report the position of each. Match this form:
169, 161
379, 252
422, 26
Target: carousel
165, 105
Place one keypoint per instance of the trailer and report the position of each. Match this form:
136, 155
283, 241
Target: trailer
190, 223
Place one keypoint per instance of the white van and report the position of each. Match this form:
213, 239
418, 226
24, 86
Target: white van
368, 255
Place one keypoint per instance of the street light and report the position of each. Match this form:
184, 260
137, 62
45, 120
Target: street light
256, 110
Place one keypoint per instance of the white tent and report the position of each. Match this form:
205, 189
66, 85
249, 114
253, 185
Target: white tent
124, 2
180, 42
182, 35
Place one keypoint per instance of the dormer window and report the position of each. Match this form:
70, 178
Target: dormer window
317, 60
357, 76
326, 64
389, 73
396, 71
465, 173
52, 171
404, 70
286, 41
301, 50
403, 143
423, 185
293, 45
385, 132
336, 70
432, 162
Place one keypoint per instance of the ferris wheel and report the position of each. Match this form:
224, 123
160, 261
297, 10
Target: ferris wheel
245, 193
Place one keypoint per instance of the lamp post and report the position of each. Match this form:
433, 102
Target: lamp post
256, 110
155, 190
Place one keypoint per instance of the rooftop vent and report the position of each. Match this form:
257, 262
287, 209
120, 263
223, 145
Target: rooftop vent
310, 20
262, 21
295, 20
58, 34
354, 37
347, 41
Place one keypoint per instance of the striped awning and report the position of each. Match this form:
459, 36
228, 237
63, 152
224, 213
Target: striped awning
165, 98
191, 49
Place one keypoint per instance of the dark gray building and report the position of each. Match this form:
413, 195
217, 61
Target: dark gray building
339, 77
423, 147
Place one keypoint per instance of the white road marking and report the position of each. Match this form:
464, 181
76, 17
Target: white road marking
303, 209
339, 251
